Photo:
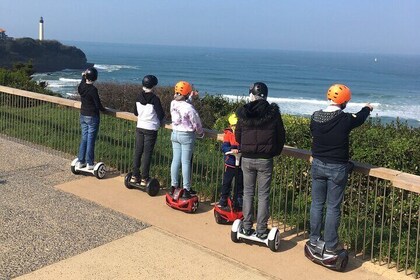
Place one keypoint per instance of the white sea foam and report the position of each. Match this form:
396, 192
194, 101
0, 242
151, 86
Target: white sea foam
306, 107
73, 81
112, 68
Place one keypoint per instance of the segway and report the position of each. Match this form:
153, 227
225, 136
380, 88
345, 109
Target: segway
152, 186
232, 212
317, 253
176, 201
272, 241
99, 170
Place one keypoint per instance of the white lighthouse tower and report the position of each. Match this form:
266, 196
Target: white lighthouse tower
41, 29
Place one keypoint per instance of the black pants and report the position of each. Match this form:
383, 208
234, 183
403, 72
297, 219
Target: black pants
145, 143
227, 181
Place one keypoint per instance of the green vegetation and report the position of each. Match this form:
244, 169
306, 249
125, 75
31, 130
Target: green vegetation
20, 77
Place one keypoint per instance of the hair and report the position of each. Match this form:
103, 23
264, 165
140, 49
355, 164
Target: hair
180, 97
253, 97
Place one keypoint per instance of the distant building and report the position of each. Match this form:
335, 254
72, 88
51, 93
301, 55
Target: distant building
3, 35
41, 29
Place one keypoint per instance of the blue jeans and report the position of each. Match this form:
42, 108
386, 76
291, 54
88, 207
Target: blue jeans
257, 171
90, 126
182, 146
328, 183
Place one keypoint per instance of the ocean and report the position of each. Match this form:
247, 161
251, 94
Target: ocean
296, 80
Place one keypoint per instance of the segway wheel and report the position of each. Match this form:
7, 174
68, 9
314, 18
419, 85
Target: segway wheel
194, 206
218, 218
274, 243
343, 264
127, 180
74, 171
236, 226
100, 172
234, 236
153, 187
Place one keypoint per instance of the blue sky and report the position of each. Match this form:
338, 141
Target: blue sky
374, 26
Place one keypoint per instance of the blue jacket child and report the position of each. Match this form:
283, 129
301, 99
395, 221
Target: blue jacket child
230, 144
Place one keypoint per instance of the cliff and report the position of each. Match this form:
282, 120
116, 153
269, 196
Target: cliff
46, 56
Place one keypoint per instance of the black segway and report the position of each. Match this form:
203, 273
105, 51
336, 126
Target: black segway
317, 253
152, 186
99, 170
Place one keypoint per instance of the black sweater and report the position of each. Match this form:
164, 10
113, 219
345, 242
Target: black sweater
260, 131
330, 134
91, 104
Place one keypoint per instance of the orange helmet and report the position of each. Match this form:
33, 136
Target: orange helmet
183, 88
339, 93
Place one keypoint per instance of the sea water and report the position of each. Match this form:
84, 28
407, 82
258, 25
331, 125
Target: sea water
296, 80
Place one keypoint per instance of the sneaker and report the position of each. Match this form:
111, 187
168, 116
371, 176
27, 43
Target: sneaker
193, 192
172, 190
143, 182
247, 232
90, 167
186, 194
223, 201
263, 235
134, 180
335, 250
80, 165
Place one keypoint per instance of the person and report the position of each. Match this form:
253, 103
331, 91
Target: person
89, 117
230, 144
330, 129
150, 115
186, 123
261, 136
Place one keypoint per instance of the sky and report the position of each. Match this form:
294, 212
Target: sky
367, 26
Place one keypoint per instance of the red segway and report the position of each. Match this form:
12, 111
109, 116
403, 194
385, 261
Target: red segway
233, 211
176, 201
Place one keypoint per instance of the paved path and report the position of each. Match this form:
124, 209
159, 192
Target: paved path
86, 228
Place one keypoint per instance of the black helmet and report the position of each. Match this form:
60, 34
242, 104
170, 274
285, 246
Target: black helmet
91, 74
149, 81
259, 89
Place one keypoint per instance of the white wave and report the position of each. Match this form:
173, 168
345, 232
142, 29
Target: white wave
305, 107
112, 68
281, 100
69, 80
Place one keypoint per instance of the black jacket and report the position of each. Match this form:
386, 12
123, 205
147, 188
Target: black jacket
260, 131
91, 104
330, 134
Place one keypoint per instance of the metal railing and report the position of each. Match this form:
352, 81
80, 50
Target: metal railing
380, 213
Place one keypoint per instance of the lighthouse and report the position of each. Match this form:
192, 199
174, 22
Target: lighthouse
41, 29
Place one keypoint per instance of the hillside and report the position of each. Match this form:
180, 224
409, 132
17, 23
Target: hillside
46, 56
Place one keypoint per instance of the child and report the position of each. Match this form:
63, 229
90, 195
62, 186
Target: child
185, 124
150, 115
261, 136
89, 117
330, 129
230, 144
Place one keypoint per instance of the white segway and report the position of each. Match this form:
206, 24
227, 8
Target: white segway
272, 241
99, 170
